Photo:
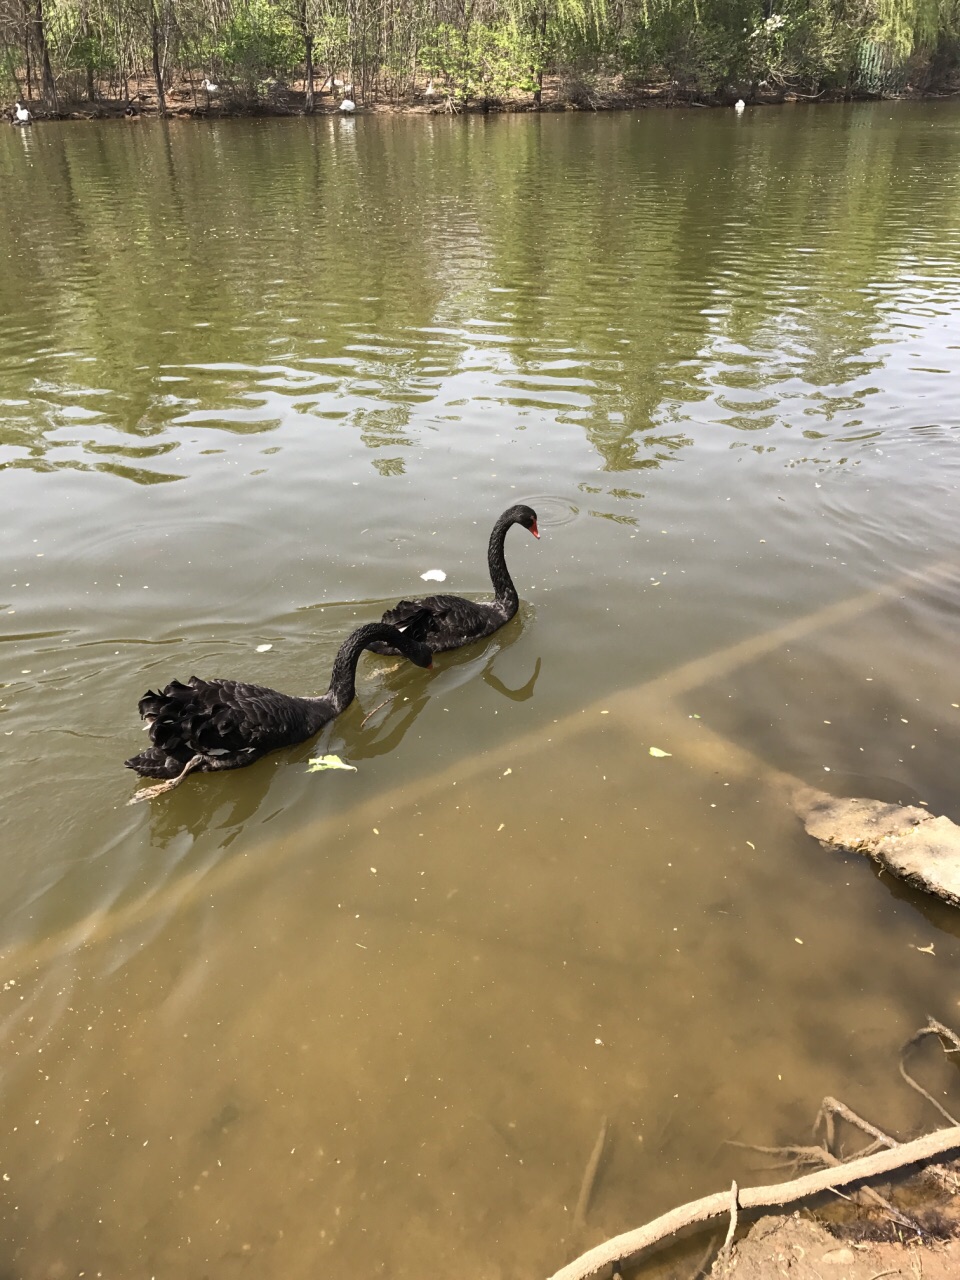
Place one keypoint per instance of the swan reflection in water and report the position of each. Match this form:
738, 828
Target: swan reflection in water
375, 725
458, 669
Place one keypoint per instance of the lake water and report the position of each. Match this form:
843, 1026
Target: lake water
256, 377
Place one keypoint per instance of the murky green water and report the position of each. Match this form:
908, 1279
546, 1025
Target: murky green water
257, 377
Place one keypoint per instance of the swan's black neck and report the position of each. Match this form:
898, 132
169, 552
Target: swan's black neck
343, 678
503, 587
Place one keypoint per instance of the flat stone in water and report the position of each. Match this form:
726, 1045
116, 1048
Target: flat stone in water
909, 842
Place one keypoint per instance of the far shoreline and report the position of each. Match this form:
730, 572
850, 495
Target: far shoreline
187, 103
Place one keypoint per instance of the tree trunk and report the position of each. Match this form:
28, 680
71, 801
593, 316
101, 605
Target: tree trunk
538, 92
155, 48
46, 71
308, 46
87, 36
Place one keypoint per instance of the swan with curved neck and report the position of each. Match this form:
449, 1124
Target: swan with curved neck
457, 621
213, 725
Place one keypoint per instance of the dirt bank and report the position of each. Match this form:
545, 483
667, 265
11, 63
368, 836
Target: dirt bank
188, 98
803, 1249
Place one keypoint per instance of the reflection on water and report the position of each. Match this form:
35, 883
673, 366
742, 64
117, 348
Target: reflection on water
195, 306
256, 377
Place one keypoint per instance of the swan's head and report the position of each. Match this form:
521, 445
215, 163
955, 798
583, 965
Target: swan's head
422, 656
522, 514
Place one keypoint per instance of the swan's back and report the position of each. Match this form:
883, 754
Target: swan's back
224, 718
455, 621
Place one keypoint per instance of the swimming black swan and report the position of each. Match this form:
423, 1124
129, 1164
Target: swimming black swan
458, 621
222, 724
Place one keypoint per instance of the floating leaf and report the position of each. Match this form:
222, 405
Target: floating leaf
434, 575
655, 751
318, 763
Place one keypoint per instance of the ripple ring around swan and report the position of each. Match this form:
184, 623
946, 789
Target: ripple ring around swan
551, 509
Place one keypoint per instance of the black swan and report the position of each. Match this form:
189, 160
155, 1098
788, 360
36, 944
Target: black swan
223, 724
457, 621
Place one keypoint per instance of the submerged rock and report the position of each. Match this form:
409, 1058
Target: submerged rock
909, 842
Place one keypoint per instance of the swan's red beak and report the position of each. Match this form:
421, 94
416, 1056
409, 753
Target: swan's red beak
534, 530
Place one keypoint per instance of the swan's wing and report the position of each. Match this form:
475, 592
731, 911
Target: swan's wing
408, 611
421, 622
221, 717
455, 621
155, 762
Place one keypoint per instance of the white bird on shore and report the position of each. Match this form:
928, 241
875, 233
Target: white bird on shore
739, 106
429, 91
210, 88
20, 114
348, 105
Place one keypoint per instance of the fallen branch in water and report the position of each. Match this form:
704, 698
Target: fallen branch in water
933, 1028
377, 708
630, 1243
589, 1178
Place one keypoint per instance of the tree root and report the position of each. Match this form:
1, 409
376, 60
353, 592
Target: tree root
823, 1157
933, 1028
732, 1229
630, 1243
883, 1155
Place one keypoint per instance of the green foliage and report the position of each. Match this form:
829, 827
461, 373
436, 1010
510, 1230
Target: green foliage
332, 38
804, 45
9, 63
697, 45
710, 47
490, 49
482, 61
256, 41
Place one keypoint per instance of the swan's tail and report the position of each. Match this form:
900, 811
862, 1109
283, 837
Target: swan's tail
181, 718
155, 763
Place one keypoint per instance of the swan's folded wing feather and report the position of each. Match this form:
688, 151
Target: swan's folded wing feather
155, 762
421, 622
456, 621
222, 717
